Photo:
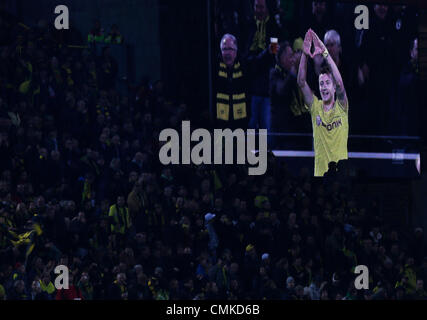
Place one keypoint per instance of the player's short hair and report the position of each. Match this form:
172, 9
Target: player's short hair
325, 69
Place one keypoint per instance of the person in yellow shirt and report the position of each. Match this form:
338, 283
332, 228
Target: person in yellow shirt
120, 218
2, 293
46, 285
329, 117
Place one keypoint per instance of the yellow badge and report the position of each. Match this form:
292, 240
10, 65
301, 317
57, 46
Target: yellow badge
239, 111
222, 111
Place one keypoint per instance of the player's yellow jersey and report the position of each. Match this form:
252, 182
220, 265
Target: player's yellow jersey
330, 133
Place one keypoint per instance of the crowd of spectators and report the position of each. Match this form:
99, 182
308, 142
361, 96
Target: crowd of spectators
379, 65
98, 34
81, 186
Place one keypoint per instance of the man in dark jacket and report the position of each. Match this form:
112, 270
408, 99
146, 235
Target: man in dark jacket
119, 289
261, 29
318, 17
377, 58
286, 99
405, 108
18, 292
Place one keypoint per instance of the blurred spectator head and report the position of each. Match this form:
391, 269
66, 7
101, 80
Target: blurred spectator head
290, 282
265, 257
120, 201
54, 63
121, 279
35, 286
138, 269
420, 284
261, 9
285, 56
209, 217
250, 250
319, 9
84, 278
414, 50
19, 286
419, 233
45, 278
332, 41
228, 47
297, 48
115, 140
299, 290
381, 11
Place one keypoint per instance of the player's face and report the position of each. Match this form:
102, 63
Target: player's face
326, 87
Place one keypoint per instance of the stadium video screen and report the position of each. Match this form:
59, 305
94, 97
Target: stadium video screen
374, 51
211, 155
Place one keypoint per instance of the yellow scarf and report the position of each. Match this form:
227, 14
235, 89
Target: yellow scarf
259, 41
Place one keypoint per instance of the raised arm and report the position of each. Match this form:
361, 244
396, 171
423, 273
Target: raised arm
302, 71
320, 48
260, 62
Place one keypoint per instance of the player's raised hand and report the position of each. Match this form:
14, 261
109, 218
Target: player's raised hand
306, 46
319, 46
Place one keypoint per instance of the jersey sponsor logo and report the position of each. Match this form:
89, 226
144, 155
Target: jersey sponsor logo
333, 125
329, 126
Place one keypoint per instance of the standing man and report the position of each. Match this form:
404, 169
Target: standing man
377, 63
120, 218
287, 103
319, 18
261, 28
329, 117
406, 108
231, 92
